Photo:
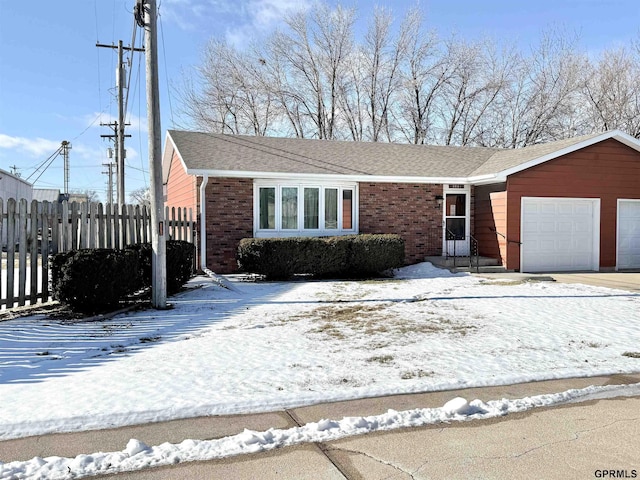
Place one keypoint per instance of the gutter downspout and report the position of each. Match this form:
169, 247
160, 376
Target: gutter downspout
203, 224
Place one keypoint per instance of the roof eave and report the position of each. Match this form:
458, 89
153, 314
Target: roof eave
487, 179
326, 177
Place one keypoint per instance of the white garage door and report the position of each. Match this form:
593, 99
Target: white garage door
560, 234
629, 234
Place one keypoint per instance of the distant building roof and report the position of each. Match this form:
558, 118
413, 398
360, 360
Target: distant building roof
46, 194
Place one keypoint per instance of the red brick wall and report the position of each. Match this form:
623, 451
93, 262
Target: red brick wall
607, 170
229, 212
409, 210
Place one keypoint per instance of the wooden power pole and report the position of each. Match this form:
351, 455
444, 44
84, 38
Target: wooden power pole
158, 239
118, 126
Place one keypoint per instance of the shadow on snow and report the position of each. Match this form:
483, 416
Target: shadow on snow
36, 348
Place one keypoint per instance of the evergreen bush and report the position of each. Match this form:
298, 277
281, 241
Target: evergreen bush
339, 257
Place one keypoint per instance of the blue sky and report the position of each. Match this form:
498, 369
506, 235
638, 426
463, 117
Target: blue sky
55, 84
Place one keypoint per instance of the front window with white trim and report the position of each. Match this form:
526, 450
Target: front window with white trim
301, 209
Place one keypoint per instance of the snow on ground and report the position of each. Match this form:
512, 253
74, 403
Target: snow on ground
136, 455
266, 346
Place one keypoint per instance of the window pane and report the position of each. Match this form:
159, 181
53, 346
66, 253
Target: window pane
347, 209
456, 204
267, 208
455, 229
289, 208
311, 207
331, 208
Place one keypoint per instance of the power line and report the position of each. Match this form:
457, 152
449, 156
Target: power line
166, 70
50, 160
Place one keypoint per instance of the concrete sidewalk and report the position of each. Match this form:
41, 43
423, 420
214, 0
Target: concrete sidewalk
570, 441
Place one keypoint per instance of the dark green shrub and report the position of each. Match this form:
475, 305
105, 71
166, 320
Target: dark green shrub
344, 256
180, 255
376, 253
93, 280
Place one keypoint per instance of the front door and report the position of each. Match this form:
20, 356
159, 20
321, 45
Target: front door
456, 220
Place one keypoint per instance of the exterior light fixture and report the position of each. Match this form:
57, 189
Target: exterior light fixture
439, 200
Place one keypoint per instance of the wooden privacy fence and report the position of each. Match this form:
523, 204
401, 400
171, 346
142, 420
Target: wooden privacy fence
30, 232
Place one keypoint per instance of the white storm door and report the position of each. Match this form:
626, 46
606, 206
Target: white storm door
456, 222
628, 234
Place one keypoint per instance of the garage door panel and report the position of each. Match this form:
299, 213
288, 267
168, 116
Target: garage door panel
559, 234
629, 234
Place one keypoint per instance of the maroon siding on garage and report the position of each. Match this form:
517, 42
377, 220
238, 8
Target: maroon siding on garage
607, 170
409, 210
229, 212
491, 220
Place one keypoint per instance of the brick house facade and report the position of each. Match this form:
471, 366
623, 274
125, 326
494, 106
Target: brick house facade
570, 204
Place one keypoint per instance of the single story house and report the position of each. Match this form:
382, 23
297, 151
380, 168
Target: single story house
568, 205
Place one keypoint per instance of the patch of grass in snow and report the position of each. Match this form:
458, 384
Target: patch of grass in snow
381, 359
590, 344
381, 320
329, 329
506, 283
419, 373
631, 354
150, 339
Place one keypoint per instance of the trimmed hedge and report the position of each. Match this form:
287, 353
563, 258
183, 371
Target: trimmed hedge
180, 255
93, 280
343, 256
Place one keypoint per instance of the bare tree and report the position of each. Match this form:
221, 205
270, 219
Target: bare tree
477, 78
140, 196
230, 96
612, 91
313, 80
382, 56
310, 60
423, 77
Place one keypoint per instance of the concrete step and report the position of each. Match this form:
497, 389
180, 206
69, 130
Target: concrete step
481, 269
461, 264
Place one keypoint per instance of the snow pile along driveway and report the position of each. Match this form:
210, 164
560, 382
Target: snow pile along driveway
269, 346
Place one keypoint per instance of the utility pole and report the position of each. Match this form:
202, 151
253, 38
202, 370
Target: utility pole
158, 240
118, 140
120, 79
109, 172
66, 146
120, 124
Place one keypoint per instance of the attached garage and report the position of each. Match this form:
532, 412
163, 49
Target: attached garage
628, 234
560, 234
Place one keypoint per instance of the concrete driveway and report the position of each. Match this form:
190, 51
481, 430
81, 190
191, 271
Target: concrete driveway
619, 280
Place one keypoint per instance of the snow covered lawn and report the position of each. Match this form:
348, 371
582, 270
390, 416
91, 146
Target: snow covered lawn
265, 346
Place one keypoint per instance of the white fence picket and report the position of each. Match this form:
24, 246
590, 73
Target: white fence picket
35, 231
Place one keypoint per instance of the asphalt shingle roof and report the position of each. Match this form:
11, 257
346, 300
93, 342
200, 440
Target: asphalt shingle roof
202, 152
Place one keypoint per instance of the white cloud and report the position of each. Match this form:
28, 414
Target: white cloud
137, 124
244, 19
262, 17
189, 14
36, 147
